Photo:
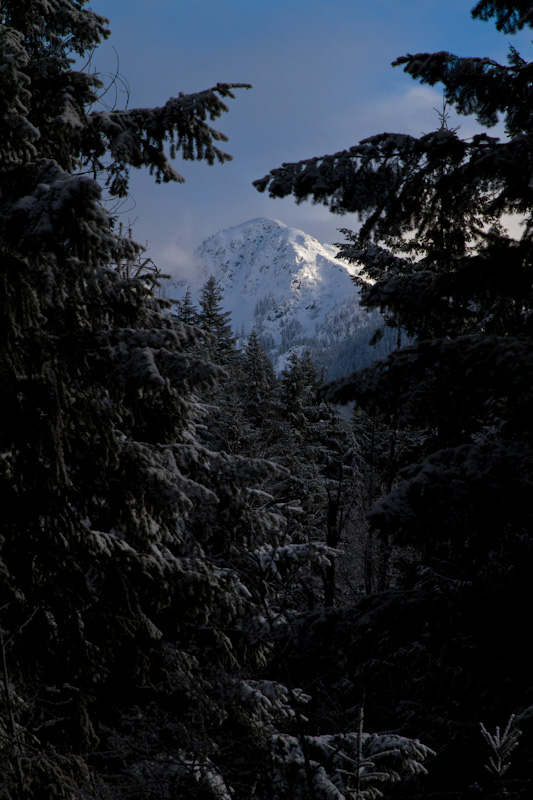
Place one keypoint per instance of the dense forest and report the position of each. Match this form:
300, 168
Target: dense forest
213, 586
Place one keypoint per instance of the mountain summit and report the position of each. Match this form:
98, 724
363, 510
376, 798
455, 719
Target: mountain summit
290, 287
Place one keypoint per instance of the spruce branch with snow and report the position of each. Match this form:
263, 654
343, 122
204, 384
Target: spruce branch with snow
501, 745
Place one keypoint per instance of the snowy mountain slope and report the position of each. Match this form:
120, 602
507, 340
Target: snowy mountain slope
286, 284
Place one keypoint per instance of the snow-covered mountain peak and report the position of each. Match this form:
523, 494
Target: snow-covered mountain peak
269, 245
283, 282
263, 257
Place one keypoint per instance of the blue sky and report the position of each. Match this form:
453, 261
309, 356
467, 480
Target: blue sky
321, 79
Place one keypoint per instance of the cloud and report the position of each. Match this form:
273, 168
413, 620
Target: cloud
410, 111
181, 262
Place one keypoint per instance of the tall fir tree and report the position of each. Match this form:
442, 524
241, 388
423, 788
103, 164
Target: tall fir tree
185, 310
223, 414
259, 383
219, 343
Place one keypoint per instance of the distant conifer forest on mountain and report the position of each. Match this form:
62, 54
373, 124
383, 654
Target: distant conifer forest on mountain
213, 585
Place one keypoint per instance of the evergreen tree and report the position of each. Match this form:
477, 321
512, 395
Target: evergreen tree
185, 309
219, 344
223, 422
259, 382
437, 259
313, 443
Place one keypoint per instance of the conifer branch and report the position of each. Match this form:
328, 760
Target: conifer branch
501, 745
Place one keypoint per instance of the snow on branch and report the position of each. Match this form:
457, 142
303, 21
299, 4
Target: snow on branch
501, 745
343, 766
63, 208
18, 134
